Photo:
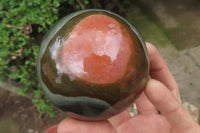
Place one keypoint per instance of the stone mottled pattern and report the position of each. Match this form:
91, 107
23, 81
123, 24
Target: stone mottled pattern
93, 64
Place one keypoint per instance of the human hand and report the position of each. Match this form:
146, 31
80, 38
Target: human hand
159, 108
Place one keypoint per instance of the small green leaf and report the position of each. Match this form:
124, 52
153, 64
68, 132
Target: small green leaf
4, 52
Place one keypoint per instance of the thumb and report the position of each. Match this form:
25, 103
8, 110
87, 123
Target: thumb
164, 101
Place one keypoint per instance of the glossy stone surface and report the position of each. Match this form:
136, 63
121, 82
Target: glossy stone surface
92, 64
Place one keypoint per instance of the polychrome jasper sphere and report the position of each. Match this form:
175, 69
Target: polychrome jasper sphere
93, 64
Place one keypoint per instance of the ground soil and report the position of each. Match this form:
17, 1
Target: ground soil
19, 115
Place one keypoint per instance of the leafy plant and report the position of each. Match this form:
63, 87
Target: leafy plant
21, 23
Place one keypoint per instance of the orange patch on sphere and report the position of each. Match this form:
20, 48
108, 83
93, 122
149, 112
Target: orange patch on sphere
98, 49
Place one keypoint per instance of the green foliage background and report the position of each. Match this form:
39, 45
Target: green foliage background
23, 24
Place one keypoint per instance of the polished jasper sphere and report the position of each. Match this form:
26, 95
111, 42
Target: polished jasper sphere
93, 64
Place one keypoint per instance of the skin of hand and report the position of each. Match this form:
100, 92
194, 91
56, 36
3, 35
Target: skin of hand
159, 108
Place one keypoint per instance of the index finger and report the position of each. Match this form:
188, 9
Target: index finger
160, 71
